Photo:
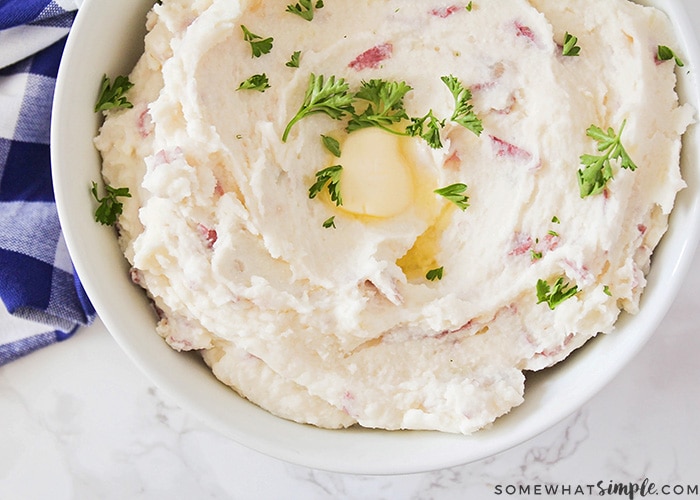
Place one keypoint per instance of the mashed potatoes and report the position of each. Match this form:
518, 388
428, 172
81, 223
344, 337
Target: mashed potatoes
453, 249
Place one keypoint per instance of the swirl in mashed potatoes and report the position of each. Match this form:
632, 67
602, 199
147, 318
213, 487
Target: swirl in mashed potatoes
395, 309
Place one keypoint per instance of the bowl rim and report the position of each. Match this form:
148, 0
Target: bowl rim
73, 159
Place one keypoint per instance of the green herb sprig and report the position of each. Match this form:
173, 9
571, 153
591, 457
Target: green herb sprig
435, 274
428, 127
664, 53
294, 59
305, 8
258, 44
555, 294
570, 48
256, 82
330, 177
327, 96
329, 222
385, 106
109, 207
113, 95
455, 194
332, 145
597, 169
464, 111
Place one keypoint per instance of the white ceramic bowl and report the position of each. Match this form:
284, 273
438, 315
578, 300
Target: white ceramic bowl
108, 38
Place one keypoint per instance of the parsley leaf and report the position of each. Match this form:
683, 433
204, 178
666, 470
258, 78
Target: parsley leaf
455, 194
255, 82
385, 107
329, 222
113, 95
570, 48
556, 294
596, 174
294, 60
664, 53
109, 207
258, 44
598, 170
464, 111
331, 145
305, 8
427, 127
330, 176
469, 6
323, 96
435, 274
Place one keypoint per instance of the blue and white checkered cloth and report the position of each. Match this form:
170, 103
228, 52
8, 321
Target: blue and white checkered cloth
43, 299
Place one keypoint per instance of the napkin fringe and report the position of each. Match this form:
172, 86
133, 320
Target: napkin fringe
20, 348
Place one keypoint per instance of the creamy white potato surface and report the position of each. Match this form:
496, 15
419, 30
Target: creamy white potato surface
325, 279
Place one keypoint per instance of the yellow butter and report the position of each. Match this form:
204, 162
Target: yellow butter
377, 178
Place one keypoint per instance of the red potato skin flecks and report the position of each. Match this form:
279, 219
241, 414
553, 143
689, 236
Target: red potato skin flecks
551, 352
522, 244
444, 12
136, 276
506, 149
144, 124
371, 58
525, 31
219, 189
209, 235
525, 244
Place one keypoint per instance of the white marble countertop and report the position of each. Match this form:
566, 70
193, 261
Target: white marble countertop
80, 421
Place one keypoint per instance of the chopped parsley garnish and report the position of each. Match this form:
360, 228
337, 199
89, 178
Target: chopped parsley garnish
331, 144
555, 294
385, 106
305, 8
113, 95
464, 111
664, 53
255, 82
455, 194
294, 60
535, 255
570, 48
555, 220
329, 97
329, 222
469, 6
329, 176
258, 44
427, 127
598, 170
606, 290
109, 207
435, 274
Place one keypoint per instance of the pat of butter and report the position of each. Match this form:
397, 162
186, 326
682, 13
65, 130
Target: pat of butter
377, 179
